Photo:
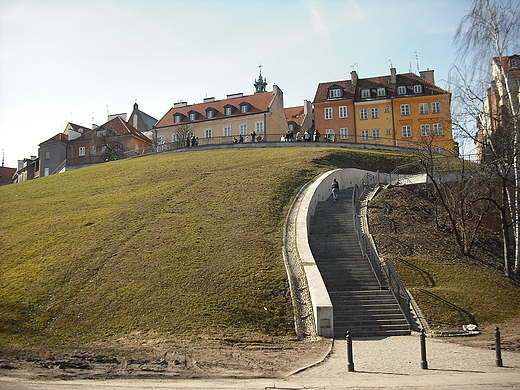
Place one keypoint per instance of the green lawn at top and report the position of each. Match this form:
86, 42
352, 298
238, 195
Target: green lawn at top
178, 246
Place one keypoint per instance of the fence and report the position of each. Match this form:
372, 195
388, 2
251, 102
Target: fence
384, 270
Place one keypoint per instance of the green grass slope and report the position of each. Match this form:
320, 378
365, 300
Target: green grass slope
177, 246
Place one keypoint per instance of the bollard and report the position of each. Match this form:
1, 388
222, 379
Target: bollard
498, 350
350, 360
424, 362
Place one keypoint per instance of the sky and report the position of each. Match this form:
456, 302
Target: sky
77, 61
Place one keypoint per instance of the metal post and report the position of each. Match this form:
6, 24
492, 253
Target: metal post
350, 359
498, 351
424, 362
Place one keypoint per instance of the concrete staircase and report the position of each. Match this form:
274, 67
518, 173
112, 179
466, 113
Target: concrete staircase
360, 304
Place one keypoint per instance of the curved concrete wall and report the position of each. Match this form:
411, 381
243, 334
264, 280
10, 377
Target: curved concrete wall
319, 191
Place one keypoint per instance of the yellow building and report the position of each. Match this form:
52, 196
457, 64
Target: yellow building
395, 110
235, 119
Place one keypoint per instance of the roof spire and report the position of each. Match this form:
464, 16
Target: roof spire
261, 82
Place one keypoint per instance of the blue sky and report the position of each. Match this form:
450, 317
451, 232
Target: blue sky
73, 61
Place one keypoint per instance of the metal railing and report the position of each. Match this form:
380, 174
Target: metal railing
385, 273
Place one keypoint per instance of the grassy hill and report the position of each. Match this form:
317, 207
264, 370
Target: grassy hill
176, 246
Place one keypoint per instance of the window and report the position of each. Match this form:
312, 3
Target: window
177, 118
161, 139
46, 171
335, 93
437, 129
388, 131
259, 127
93, 149
244, 108
423, 108
425, 130
208, 133
193, 116
417, 88
329, 134
343, 112
243, 129
387, 109
328, 112
439, 150
514, 63
47, 155
175, 137
376, 135
210, 113
405, 109
229, 110
343, 133
81, 150
401, 90
363, 113
381, 92
364, 136
436, 107
407, 131
365, 93
226, 131
375, 112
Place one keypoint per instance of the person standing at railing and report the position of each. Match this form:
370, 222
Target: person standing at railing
335, 190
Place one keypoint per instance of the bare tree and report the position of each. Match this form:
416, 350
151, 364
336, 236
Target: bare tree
183, 133
459, 193
109, 143
486, 106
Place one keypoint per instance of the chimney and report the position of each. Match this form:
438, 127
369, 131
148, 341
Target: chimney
427, 75
393, 76
180, 104
209, 100
353, 78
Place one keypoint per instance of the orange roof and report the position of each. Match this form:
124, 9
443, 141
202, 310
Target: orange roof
258, 103
295, 114
57, 138
406, 79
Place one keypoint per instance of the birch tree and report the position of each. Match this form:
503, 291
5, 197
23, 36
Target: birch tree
488, 34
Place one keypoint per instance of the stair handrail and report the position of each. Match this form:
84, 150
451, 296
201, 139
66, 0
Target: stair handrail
366, 249
384, 270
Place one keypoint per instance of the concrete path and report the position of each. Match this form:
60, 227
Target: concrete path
384, 363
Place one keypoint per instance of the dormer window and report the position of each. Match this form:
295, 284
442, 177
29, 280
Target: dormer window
229, 110
210, 112
244, 108
292, 126
177, 118
417, 88
381, 92
365, 93
193, 115
401, 90
335, 93
514, 62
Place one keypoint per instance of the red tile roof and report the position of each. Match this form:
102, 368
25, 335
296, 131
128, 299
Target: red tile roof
118, 126
295, 114
407, 79
258, 102
57, 138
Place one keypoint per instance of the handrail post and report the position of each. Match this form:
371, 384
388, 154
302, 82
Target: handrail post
424, 362
498, 351
350, 358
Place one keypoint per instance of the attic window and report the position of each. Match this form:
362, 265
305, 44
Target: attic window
381, 92
417, 88
229, 110
335, 93
210, 113
193, 115
177, 118
365, 93
244, 108
514, 62
401, 90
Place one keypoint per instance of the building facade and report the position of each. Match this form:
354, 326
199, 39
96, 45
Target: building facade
224, 121
496, 124
395, 110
